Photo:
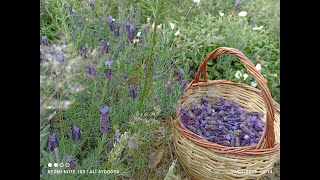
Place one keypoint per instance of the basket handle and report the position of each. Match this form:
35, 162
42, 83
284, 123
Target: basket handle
268, 132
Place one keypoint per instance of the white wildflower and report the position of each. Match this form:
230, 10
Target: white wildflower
254, 84
172, 25
238, 74
114, 155
257, 28
245, 76
138, 34
221, 14
196, 1
258, 67
177, 33
242, 14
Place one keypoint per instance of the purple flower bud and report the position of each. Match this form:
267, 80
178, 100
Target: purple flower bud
111, 24
59, 56
144, 29
237, 5
183, 85
41, 101
127, 26
85, 48
107, 73
52, 142
44, 40
150, 22
117, 30
133, 92
108, 62
180, 75
72, 164
117, 138
131, 33
69, 9
169, 87
125, 75
91, 69
91, 3
75, 134
105, 48
104, 119
63, 62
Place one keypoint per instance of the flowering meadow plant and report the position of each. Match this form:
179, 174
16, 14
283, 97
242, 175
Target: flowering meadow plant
111, 73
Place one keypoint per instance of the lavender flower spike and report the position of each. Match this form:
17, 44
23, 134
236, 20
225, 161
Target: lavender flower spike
117, 30
91, 69
107, 73
131, 33
52, 142
125, 75
111, 24
91, 3
72, 164
44, 40
105, 48
183, 85
105, 119
75, 134
237, 5
108, 62
69, 9
133, 91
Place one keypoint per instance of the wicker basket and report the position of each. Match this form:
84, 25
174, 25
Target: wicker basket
202, 159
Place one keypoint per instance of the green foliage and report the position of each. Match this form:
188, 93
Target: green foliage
71, 97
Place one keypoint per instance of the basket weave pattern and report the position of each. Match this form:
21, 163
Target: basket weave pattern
206, 160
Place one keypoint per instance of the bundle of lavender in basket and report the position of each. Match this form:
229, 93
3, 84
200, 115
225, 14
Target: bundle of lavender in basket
223, 122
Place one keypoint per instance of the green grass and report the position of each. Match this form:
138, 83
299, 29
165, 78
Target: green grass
201, 31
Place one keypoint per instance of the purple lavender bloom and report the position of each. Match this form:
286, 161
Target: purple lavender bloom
59, 56
169, 87
128, 26
237, 5
63, 62
131, 33
41, 101
183, 85
133, 91
85, 48
44, 40
125, 75
117, 30
150, 22
107, 73
180, 75
108, 62
71, 163
91, 3
91, 69
105, 48
104, 119
52, 142
76, 134
111, 24
69, 9
117, 138
144, 29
